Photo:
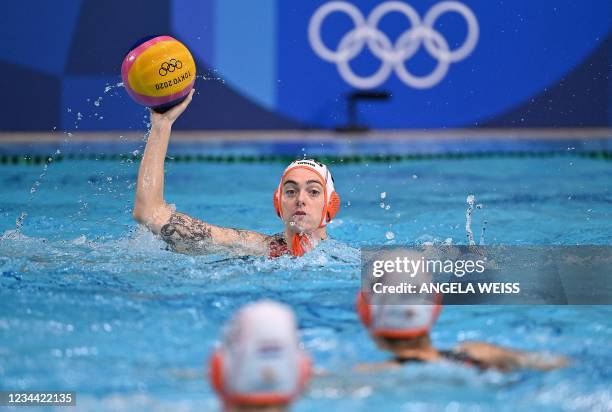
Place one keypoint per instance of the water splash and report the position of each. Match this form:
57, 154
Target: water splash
468, 219
211, 75
33, 189
110, 87
383, 205
471, 202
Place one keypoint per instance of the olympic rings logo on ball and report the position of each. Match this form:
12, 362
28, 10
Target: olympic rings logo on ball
393, 55
169, 67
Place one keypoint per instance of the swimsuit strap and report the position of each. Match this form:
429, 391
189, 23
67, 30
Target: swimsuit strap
462, 357
401, 361
453, 356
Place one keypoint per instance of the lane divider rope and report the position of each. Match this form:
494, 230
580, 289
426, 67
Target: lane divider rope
331, 159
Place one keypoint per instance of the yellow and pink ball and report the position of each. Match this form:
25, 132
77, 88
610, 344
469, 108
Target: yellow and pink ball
159, 73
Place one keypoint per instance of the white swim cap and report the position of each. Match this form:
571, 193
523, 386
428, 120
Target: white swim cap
260, 361
399, 315
332, 199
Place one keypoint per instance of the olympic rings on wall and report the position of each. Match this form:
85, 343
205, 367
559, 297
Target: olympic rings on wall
393, 56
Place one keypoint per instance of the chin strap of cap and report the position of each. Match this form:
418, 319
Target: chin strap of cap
298, 242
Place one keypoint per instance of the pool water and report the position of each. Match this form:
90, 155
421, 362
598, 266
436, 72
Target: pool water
91, 303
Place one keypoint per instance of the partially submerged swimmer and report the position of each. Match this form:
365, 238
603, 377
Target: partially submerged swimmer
400, 324
305, 200
260, 365
403, 330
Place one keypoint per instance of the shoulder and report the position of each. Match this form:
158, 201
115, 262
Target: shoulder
276, 239
486, 355
277, 245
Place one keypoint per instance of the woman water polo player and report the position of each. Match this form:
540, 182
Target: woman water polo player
260, 365
305, 200
403, 330
400, 324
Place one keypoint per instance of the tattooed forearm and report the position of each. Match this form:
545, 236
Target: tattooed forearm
184, 233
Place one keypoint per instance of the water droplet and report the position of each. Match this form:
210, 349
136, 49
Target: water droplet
390, 235
383, 195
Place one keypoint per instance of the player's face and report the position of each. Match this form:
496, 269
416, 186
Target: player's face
302, 199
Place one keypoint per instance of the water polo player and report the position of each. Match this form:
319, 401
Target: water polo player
260, 365
399, 325
305, 200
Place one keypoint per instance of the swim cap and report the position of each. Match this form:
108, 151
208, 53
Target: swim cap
398, 315
260, 361
397, 321
331, 198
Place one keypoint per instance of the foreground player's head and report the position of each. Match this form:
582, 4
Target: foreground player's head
260, 365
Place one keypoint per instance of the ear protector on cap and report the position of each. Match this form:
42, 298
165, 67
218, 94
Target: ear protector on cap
260, 361
331, 198
403, 327
220, 386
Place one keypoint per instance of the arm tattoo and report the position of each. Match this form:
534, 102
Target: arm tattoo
277, 245
184, 233
240, 234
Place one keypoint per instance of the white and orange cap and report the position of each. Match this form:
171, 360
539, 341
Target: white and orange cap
397, 321
331, 198
260, 361
399, 316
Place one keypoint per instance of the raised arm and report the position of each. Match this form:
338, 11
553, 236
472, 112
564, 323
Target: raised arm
150, 207
184, 233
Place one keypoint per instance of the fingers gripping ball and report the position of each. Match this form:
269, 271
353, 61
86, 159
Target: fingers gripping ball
159, 73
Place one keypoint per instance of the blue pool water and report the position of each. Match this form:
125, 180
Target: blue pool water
91, 303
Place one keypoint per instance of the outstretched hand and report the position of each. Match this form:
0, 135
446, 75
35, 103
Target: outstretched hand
171, 115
